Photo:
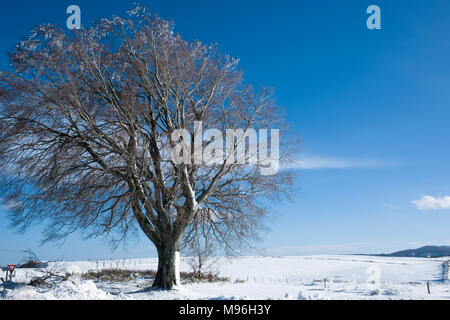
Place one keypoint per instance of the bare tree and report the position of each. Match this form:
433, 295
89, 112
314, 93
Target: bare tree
202, 253
87, 125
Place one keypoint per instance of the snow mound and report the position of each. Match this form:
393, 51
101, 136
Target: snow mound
67, 290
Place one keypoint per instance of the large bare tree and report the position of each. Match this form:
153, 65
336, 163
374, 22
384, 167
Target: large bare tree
88, 120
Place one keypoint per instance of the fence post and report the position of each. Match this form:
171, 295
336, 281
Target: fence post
428, 287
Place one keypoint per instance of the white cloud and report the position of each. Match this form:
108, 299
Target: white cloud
432, 203
317, 163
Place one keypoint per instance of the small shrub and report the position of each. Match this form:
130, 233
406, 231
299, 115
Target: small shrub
31, 260
49, 278
375, 292
35, 264
116, 275
120, 275
202, 277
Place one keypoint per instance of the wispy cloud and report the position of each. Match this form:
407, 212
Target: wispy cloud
432, 203
317, 163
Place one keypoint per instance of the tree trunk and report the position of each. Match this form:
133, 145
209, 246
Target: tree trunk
166, 275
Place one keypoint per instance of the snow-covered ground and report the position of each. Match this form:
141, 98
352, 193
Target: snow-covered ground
306, 277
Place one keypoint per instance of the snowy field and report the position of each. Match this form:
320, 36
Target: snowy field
306, 277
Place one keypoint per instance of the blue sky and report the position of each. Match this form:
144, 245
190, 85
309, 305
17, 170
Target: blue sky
371, 107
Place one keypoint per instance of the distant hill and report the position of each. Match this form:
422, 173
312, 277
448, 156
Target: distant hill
424, 252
